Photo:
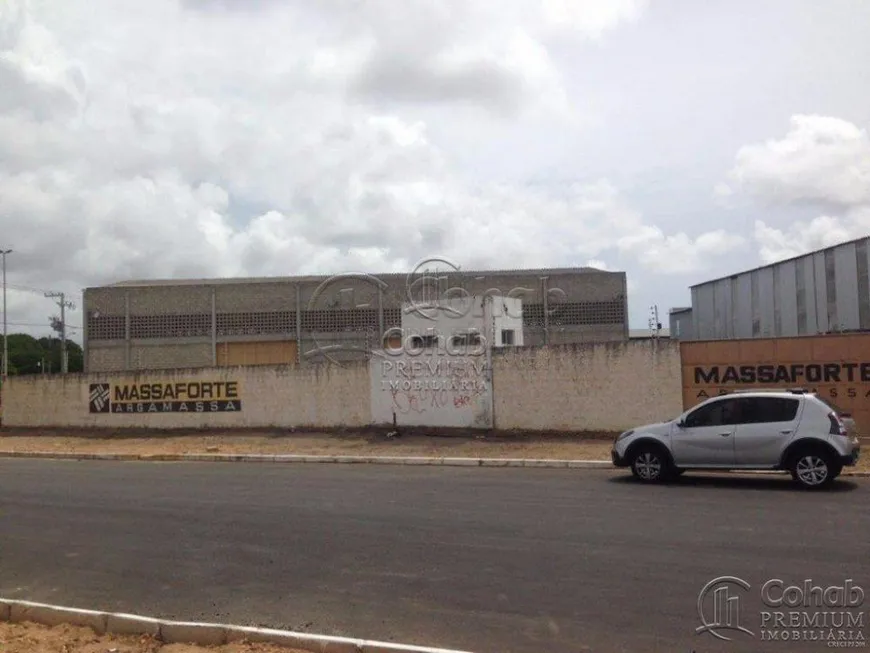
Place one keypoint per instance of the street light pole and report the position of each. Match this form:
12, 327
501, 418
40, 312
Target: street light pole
4, 252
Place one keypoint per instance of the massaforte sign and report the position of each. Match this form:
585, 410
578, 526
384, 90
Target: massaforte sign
846, 379
174, 397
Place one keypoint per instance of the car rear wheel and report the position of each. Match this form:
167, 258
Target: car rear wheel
650, 464
813, 469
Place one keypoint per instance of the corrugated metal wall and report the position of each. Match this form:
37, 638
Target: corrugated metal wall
826, 291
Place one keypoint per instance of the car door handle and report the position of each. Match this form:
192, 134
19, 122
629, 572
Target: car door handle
786, 432
726, 434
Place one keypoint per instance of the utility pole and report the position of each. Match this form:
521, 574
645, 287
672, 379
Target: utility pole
3, 253
64, 304
655, 326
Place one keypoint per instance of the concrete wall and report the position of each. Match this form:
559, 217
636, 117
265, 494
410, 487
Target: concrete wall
597, 387
280, 396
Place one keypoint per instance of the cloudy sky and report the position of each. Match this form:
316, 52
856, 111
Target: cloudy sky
674, 139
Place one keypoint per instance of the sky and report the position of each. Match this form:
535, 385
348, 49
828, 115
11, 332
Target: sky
675, 140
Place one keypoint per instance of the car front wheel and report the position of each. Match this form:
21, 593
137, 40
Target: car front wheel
813, 469
650, 465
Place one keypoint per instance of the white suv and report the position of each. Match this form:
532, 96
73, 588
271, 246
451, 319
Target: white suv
761, 430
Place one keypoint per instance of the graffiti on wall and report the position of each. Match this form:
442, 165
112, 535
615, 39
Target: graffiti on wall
436, 391
418, 384
174, 397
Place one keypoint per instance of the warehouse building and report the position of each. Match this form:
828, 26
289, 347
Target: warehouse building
163, 324
826, 291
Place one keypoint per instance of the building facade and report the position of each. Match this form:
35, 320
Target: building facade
164, 324
826, 291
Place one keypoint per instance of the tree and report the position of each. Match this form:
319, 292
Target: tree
27, 355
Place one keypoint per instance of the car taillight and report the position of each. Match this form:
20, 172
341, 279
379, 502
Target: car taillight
838, 427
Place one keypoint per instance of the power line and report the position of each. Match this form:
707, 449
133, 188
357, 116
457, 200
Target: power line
36, 324
15, 286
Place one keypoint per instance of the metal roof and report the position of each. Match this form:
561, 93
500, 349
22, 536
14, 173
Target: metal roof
785, 260
319, 278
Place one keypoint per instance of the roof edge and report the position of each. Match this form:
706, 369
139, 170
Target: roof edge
208, 281
783, 261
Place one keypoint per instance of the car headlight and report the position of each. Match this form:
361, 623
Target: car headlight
622, 436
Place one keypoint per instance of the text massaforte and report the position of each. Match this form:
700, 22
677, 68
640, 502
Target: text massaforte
793, 374
191, 390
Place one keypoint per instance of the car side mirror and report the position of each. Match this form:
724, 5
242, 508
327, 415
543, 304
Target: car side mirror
681, 424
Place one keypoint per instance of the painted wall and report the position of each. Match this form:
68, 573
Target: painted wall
279, 396
432, 389
837, 367
507, 315
595, 387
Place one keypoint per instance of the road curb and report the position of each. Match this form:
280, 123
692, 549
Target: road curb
293, 458
199, 633
551, 463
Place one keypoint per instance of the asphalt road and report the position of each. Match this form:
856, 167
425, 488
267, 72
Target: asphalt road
488, 560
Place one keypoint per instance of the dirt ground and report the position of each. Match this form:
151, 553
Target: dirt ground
594, 447
33, 638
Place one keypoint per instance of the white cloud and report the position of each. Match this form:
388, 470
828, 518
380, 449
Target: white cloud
591, 16
158, 140
678, 253
723, 190
807, 236
820, 161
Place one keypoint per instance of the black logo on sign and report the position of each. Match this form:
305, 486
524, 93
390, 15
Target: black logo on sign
98, 400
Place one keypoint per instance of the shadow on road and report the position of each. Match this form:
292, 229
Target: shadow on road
737, 481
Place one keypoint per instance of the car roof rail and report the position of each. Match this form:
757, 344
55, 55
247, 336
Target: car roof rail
794, 391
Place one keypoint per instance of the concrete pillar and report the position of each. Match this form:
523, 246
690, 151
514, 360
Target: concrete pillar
127, 342
298, 324
214, 358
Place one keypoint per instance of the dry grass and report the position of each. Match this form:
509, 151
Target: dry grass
316, 444
34, 638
